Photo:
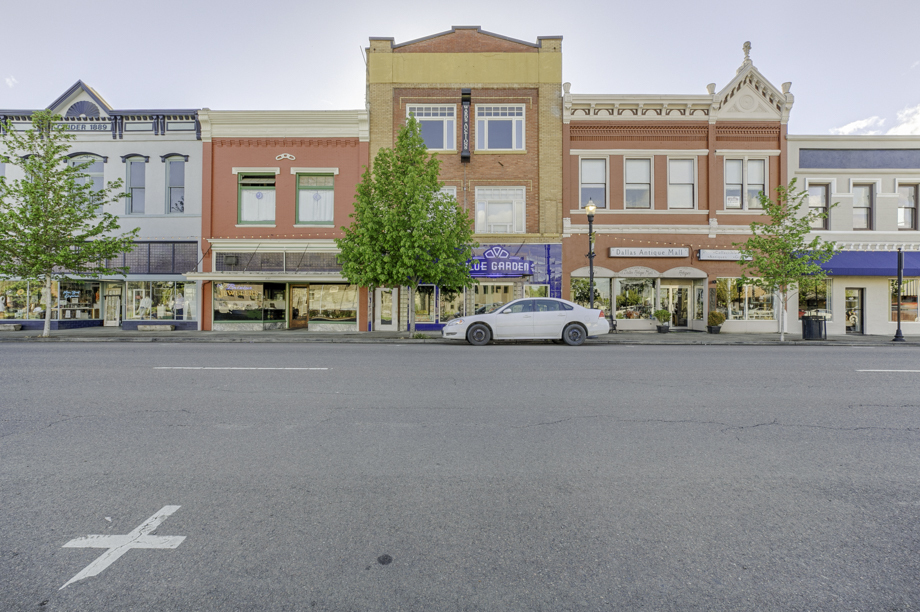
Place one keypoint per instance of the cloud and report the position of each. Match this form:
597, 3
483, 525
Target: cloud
862, 126
11, 81
908, 121
914, 65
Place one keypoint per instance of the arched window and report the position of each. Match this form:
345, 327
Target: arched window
175, 182
94, 173
137, 182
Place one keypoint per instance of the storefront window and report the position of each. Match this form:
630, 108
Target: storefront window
909, 289
536, 291
233, 302
275, 306
333, 304
635, 297
581, 295
79, 300
487, 296
424, 304
698, 292
14, 299
740, 302
452, 304
160, 300
814, 298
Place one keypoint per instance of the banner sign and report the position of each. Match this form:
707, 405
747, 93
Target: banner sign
719, 255
465, 97
497, 262
633, 252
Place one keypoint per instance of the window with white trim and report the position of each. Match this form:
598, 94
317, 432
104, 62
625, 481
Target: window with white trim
745, 179
137, 182
681, 184
593, 183
257, 198
437, 123
500, 210
175, 185
500, 127
315, 199
863, 200
817, 203
94, 173
638, 174
907, 206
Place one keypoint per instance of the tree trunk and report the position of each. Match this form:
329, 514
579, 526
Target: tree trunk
46, 333
411, 309
371, 305
782, 317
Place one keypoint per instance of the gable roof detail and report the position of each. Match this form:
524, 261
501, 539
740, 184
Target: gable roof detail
75, 89
466, 39
750, 96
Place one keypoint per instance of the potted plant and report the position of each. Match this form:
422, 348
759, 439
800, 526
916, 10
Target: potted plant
716, 319
664, 318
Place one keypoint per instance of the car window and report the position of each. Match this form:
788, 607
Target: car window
566, 306
548, 306
521, 306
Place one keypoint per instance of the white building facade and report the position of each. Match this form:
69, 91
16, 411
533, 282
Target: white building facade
157, 154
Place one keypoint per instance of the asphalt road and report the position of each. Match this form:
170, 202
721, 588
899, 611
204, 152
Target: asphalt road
443, 478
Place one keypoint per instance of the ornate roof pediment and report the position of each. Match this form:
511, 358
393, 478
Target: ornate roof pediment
751, 97
81, 102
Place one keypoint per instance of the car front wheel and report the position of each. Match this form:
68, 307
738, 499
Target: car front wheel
479, 335
574, 334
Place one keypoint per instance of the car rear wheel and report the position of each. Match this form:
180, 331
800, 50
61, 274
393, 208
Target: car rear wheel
479, 335
574, 334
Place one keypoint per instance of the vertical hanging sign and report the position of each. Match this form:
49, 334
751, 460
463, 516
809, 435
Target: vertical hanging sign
465, 95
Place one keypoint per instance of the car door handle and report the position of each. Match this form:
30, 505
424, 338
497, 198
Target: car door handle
527, 316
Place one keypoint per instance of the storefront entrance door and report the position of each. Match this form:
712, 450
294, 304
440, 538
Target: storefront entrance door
854, 310
677, 300
112, 307
385, 309
300, 304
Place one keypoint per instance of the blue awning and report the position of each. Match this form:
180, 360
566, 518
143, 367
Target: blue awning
872, 263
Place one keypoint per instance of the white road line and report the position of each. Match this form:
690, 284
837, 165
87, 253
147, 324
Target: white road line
888, 370
210, 368
120, 544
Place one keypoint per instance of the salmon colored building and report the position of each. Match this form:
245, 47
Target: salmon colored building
674, 179
277, 188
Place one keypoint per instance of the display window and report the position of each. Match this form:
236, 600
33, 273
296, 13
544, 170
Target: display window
815, 298
909, 289
26, 300
635, 297
160, 300
237, 301
741, 302
425, 310
452, 304
487, 296
79, 300
333, 304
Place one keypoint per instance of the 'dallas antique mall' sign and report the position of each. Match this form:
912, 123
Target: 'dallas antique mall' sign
640, 252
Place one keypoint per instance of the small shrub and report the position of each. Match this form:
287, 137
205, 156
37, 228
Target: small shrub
663, 316
716, 318
420, 336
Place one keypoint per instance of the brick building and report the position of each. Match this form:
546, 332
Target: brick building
675, 181
491, 108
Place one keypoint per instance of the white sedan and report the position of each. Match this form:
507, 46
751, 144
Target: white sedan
530, 319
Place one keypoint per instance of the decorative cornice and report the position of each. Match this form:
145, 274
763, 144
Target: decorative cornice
284, 124
639, 133
285, 142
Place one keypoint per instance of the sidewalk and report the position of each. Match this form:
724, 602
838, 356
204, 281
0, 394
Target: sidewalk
114, 334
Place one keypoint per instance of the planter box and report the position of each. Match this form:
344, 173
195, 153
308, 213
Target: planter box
10, 326
156, 327
713, 329
663, 329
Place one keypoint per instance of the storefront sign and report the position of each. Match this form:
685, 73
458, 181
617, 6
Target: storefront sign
497, 262
232, 287
88, 127
718, 255
465, 97
633, 252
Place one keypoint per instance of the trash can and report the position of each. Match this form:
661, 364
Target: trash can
814, 327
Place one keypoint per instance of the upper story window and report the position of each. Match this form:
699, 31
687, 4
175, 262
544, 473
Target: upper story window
137, 184
315, 199
681, 184
437, 125
175, 185
638, 174
500, 127
745, 179
94, 173
863, 202
500, 210
907, 207
257, 198
593, 183
817, 203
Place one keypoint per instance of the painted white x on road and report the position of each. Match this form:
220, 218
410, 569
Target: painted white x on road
120, 544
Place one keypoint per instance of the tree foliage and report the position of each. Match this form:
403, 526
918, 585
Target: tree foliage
404, 230
51, 220
779, 257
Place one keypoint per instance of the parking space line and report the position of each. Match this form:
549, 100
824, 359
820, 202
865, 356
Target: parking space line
888, 370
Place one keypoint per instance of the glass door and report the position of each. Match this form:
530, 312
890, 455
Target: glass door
300, 302
112, 306
854, 310
385, 305
677, 300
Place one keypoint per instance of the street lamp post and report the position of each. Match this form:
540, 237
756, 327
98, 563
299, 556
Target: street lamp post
590, 208
898, 336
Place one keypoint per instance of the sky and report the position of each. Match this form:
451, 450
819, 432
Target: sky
854, 65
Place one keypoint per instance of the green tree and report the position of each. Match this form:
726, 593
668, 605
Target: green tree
52, 225
779, 257
404, 230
